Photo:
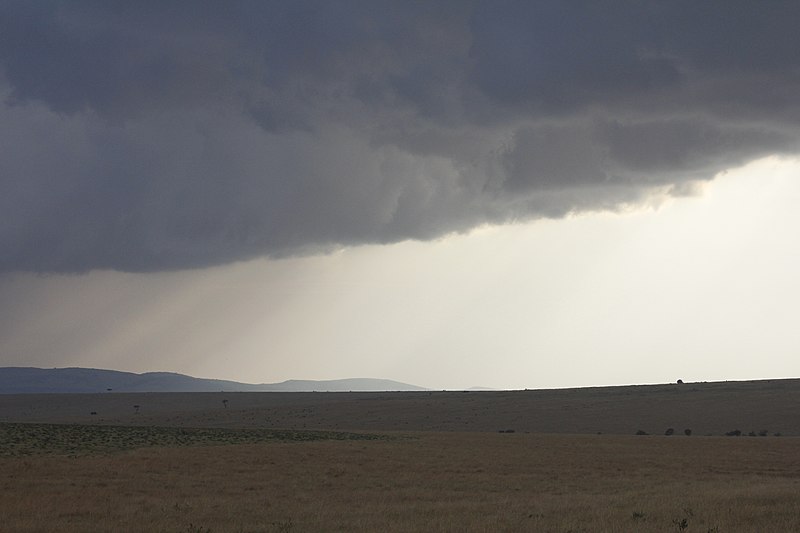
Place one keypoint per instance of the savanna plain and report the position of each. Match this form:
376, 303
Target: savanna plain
561, 460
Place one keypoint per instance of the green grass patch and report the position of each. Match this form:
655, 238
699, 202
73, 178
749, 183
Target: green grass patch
17, 439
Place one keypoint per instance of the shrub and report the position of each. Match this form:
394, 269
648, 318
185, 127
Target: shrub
681, 523
669, 431
641, 432
734, 433
687, 432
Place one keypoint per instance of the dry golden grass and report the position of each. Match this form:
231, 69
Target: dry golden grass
566, 478
431, 482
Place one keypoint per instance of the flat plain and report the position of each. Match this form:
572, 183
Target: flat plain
417, 461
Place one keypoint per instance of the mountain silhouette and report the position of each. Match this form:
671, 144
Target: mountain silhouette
15, 380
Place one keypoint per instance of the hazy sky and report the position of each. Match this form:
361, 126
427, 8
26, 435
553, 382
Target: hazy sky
506, 194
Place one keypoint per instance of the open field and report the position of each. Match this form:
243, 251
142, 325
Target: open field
193, 463
430, 482
705, 408
18, 440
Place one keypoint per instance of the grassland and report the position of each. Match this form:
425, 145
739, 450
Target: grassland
705, 408
234, 476
75, 439
432, 482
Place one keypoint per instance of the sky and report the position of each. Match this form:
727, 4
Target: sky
449, 194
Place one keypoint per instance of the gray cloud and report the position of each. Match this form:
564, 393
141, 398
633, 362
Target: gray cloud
147, 136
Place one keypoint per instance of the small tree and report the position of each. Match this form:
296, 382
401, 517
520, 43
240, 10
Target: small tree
225, 403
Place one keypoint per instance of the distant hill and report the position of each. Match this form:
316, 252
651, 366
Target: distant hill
15, 380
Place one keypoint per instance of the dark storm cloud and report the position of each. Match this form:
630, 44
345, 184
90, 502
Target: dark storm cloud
162, 135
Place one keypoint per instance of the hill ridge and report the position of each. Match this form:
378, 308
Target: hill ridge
17, 380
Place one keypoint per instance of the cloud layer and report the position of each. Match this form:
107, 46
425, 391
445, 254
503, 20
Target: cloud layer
144, 136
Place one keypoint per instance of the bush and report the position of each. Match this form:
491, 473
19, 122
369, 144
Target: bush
687, 432
681, 523
641, 432
669, 431
734, 433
